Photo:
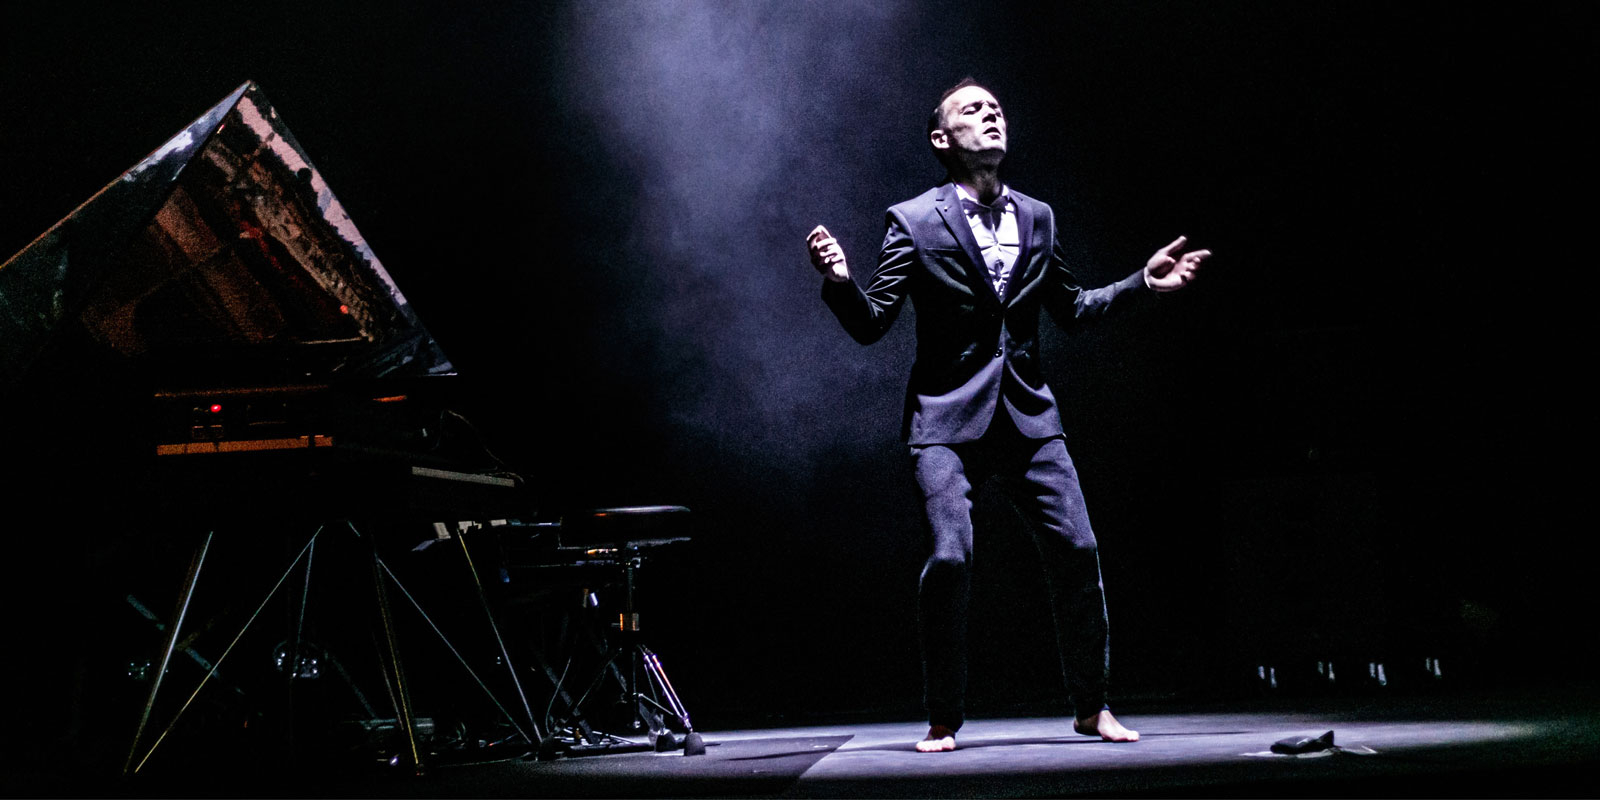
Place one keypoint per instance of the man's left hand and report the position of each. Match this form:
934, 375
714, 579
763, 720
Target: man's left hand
1168, 270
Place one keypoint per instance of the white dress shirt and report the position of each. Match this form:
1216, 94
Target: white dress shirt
995, 228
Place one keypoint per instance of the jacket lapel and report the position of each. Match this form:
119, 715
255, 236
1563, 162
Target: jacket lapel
955, 220
1023, 271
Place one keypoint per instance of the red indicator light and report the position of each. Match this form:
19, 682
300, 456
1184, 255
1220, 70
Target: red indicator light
344, 309
216, 408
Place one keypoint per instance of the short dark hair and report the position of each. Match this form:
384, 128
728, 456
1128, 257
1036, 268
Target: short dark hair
936, 119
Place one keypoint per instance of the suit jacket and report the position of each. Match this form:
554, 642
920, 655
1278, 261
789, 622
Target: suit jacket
976, 352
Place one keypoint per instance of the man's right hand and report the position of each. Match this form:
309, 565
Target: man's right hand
826, 255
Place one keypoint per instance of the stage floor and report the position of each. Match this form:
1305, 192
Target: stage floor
1539, 743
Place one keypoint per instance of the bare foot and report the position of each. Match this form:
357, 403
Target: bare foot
1106, 727
940, 739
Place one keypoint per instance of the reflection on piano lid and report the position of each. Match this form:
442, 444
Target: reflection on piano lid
223, 258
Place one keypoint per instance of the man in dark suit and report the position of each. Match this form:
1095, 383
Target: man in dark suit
979, 260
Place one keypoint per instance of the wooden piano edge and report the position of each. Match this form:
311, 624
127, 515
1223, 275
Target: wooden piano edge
244, 445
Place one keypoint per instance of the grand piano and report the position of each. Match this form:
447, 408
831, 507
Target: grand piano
218, 303
221, 256
208, 348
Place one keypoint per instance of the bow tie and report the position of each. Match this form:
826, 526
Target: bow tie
991, 214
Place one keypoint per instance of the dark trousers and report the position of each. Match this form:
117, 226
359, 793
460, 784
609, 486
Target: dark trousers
1040, 479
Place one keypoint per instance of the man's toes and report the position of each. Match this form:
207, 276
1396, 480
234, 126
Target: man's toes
939, 739
1106, 727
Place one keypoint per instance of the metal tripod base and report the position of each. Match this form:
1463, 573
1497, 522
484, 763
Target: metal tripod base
571, 744
649, 712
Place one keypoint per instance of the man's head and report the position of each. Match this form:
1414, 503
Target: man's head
968, 125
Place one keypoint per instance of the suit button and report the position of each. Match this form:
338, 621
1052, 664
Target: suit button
997, 353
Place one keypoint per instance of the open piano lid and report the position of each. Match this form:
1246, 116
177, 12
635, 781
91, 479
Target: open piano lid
223, 258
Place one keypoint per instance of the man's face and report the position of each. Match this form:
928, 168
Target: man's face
973, 123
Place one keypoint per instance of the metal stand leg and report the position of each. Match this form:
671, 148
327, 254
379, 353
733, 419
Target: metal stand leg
652, 666
693, 744
380, 565
393, 669
483, 599
136, 762
402, 692
396, 672
184, 596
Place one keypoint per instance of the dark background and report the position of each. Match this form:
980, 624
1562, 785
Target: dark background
1358, 436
